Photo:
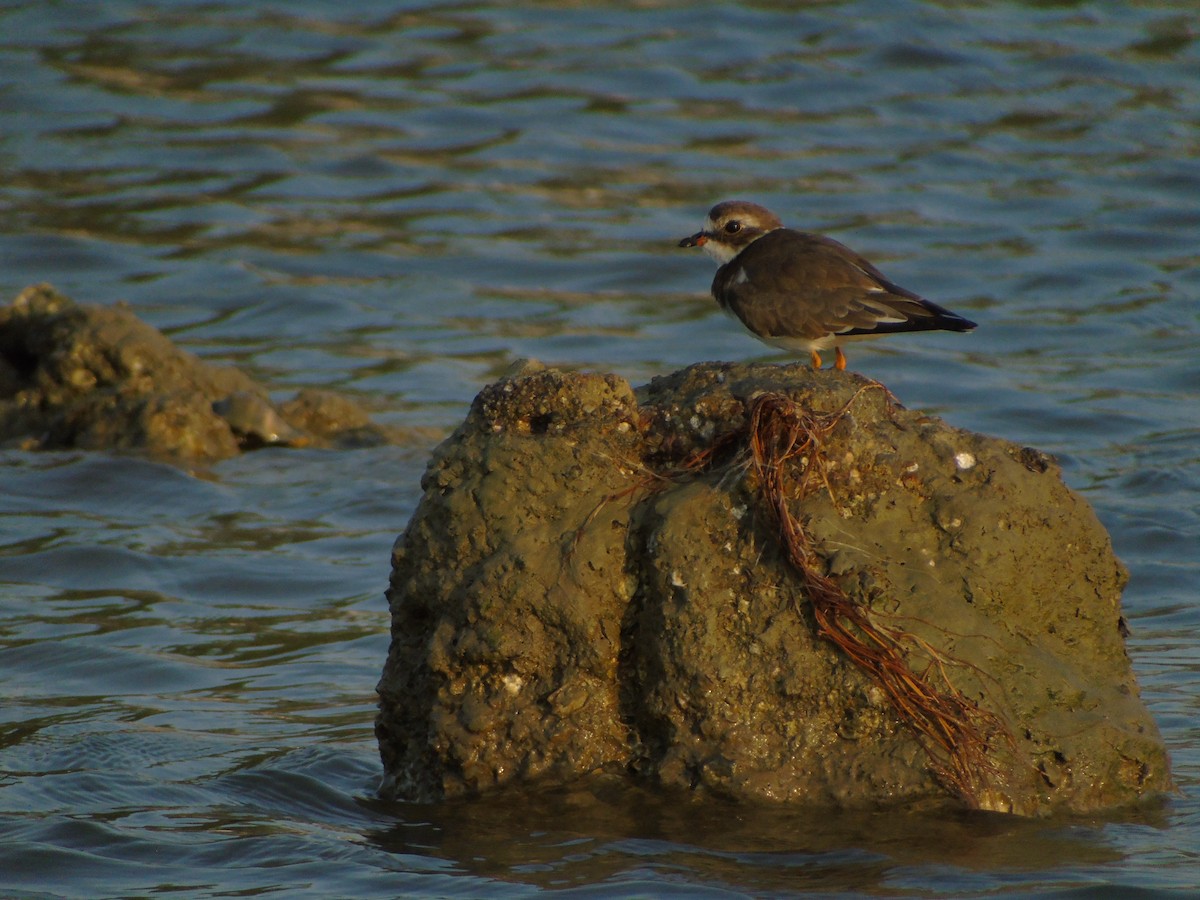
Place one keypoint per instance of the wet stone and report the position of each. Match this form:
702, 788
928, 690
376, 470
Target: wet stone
99, 378
574, 598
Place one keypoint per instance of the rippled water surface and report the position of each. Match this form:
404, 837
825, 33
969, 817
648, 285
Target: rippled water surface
397, 200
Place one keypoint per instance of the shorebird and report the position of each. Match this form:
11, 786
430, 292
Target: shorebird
802, 291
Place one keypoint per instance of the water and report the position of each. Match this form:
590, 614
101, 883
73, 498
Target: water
396, 200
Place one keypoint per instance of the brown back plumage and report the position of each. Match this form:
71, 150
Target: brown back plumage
792, 284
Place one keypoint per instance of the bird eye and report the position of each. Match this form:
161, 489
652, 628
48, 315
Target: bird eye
733, 227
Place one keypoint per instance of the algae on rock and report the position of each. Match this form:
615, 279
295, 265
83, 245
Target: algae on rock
567, 600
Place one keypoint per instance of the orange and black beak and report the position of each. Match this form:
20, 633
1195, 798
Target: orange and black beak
699, 239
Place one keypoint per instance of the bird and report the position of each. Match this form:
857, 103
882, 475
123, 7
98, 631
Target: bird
801, 291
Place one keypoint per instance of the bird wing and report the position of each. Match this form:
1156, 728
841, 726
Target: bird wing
798, 285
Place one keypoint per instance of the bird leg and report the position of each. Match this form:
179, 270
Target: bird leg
840, 362
816, 359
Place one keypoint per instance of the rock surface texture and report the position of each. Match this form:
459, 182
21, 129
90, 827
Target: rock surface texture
99, 378
592, 583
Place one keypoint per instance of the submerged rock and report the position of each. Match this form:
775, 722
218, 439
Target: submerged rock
570, 599
96, 378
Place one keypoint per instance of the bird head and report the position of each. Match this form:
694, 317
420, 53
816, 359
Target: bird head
731, 227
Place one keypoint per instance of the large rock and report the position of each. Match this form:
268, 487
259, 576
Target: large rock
91, 377
568, 600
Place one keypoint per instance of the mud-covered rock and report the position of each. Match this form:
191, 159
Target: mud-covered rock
505, 650
90, 377
567, 600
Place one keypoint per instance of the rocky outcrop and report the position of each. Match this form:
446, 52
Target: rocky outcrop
598, 581
91, 377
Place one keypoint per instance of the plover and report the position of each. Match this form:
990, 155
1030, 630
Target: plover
802, 291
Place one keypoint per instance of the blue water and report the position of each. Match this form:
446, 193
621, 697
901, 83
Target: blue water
397, 200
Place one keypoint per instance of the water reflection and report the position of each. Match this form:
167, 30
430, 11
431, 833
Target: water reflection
609, 834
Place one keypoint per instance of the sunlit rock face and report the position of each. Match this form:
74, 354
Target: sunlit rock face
593, 585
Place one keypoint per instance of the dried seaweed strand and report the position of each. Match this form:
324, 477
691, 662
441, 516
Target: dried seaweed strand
954, 730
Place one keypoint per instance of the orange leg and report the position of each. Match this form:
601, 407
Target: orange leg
840, 362
816, 359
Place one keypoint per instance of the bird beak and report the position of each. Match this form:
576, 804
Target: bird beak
699, 239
